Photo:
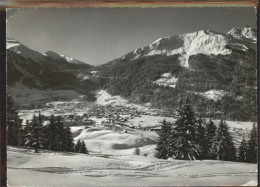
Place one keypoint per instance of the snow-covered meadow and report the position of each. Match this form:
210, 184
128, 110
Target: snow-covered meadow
72, 169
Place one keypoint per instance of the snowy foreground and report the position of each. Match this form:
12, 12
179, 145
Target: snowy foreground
25, 168
112, 161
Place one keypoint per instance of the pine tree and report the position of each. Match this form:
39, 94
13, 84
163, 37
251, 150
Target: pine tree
57, 136
59, 142
223, 147
68, 139
22, 135
163, 144
77, 146
185, 146
13, 123
210, 135
83, 148
50, 133
34, 135
253, 146
242, 155
201, 139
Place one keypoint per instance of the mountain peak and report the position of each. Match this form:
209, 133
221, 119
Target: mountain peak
72, 60
243, 33
11, 42
53, 55
204, 41
20, 49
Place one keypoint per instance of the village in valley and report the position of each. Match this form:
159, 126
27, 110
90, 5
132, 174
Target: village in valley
116, 113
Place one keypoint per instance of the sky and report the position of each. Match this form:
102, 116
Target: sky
98, 35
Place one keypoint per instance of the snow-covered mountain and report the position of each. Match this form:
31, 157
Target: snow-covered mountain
207, 66
72, 60
29, 67
55, 55
20, 49
242, 33
202, 42
44, 76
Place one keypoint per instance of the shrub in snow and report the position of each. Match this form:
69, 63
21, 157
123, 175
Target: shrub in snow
137, 151
80, 147
83, 148
77, 146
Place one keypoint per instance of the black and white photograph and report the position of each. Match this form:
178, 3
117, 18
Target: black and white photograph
131, 96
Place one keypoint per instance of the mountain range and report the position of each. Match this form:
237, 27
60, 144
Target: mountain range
49, 70
217, 70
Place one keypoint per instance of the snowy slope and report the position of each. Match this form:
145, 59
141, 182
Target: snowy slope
104, 98
47, 168
214, 94
167, 79
113, 140
204, 42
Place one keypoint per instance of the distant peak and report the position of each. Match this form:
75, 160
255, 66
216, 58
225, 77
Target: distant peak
244, 32
53, 54
69, 59
10, 39
11, 43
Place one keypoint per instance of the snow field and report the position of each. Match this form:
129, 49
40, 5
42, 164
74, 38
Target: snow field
214, 94
72, 169
104, 98
118, 140
167, 80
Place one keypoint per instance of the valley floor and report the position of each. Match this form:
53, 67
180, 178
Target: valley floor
26, 168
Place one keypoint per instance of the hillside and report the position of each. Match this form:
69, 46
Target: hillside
29, 70
217, 70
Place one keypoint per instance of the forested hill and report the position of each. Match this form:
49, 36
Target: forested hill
217, 71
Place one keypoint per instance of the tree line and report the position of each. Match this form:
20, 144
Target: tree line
55, 135
192, 138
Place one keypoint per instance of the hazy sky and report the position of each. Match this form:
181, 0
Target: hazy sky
98, 35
